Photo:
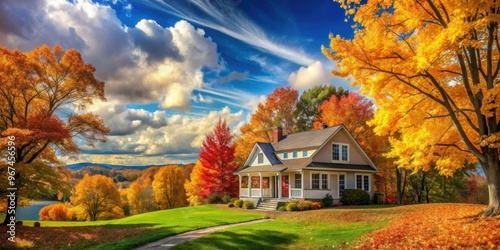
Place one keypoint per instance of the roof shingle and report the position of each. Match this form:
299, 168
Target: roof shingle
308, 139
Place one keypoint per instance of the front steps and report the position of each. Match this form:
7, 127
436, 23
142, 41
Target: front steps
268, 204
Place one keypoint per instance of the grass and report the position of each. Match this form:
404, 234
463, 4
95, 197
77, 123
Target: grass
325, 228
138, 230
281, 234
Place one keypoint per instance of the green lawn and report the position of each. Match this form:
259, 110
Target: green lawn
164, 223
326, 228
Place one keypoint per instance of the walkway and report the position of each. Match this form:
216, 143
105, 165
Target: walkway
174, 240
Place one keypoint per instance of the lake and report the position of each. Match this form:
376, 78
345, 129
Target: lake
31, 212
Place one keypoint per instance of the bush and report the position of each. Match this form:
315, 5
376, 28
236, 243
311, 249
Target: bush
355, 197
214, 199
327, 201
316, 205
292, 206
248, 205
230, 205
226, 199
305, 205
56, 212
282, 209
238, 203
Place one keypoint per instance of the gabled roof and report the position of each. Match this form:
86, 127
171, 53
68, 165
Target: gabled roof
307, 139
268, 150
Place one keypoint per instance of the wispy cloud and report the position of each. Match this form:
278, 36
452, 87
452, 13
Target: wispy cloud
224, 17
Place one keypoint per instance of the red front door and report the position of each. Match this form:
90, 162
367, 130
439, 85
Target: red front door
284, 186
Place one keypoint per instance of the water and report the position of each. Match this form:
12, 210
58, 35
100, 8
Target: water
32, 212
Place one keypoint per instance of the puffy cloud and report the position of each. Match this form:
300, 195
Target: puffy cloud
310, 76
143, 64
138, 132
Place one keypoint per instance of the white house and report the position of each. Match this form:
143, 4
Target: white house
306, 165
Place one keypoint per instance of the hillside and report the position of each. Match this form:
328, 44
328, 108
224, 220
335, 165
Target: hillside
79, 166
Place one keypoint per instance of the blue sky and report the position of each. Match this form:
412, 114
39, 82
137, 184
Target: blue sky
172, 68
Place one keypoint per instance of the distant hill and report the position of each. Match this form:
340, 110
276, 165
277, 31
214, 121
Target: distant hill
79, 166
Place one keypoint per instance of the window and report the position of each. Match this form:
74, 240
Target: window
285, 155
324, 181
298, 181
344, 152
341, 184
295, 154
304, 153
340, 152
260, 158
315, 181
363, 182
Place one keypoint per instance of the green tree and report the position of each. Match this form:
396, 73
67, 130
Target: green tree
306, 110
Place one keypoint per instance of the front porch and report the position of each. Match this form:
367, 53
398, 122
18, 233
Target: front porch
271, 185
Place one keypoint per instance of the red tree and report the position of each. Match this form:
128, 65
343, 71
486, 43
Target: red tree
217, 158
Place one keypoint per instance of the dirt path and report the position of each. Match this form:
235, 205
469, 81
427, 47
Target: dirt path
174, 240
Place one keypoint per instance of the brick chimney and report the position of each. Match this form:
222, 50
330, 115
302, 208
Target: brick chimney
277, 134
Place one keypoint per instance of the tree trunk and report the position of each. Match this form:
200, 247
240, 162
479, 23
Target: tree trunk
398, 184
492, 171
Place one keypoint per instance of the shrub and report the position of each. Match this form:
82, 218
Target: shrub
292, 206
282, 209
305, 205
238, 203
56, 212
355, 197
230, 205
248, 205
214, 199
226, 199
327, 201
316, 205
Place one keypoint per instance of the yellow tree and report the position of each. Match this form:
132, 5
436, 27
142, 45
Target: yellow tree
96, 197
34, 86
193, 186
432, 68
140, 198
168, 187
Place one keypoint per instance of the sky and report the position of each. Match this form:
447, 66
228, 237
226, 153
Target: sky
172, 68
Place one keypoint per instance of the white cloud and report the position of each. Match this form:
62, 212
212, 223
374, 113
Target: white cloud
143, 64
310, 76
137, 132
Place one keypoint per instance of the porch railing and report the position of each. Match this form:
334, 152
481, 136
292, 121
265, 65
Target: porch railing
244, 192
295, 193
256, 192
266, 192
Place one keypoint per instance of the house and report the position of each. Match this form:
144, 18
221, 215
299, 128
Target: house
306, 165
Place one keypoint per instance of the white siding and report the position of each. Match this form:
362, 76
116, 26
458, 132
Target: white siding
254, 160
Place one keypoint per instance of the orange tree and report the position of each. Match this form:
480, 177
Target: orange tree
278, 110
34, 86
96, 198
432, 68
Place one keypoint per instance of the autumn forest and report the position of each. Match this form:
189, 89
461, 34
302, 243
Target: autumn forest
423, 104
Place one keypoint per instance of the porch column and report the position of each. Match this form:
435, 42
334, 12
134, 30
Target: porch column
302, 183
260, 175
279, 185
249, 186
239, 185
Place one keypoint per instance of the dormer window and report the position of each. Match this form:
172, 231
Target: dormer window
304, 153
295, 154
285, 155
340, 152
260, 158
